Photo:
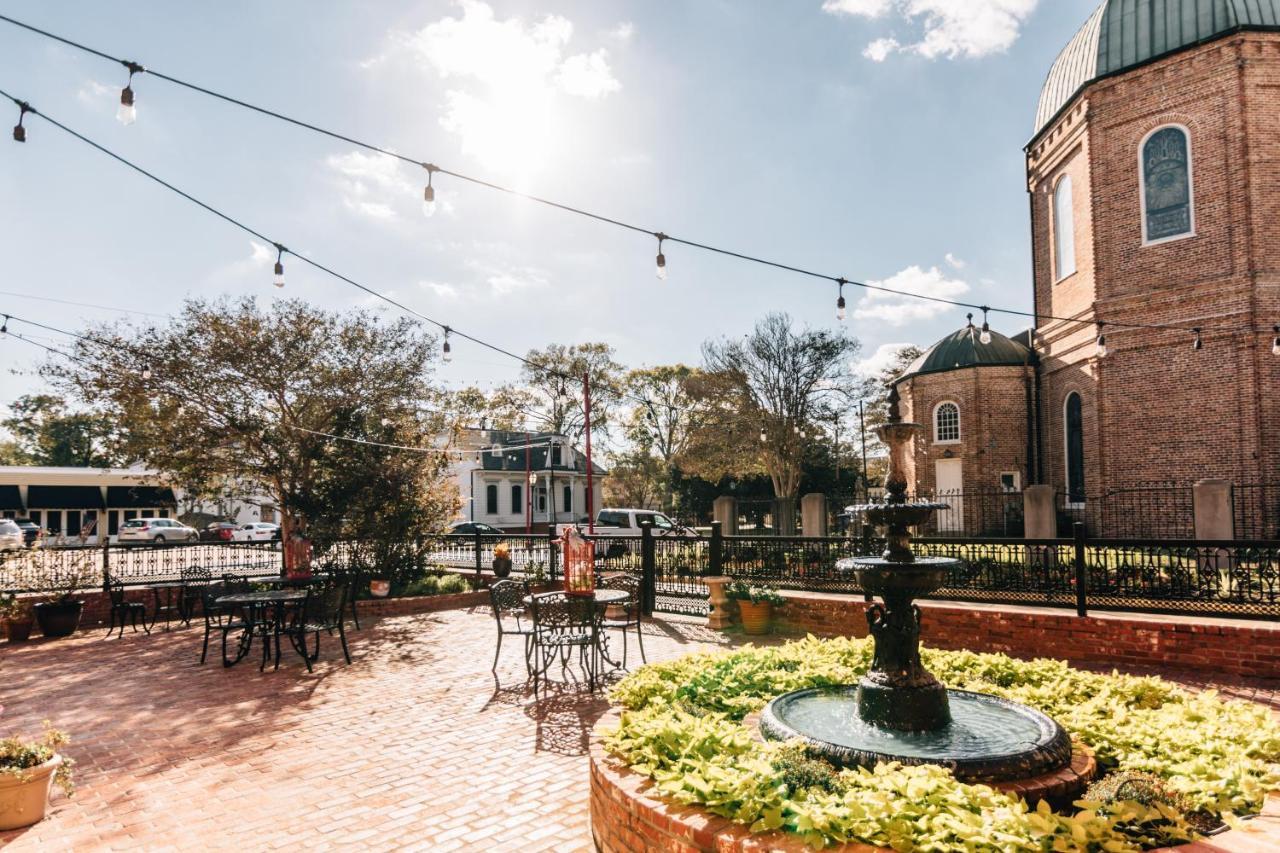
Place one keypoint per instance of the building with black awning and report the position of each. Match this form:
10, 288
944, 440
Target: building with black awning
83, 503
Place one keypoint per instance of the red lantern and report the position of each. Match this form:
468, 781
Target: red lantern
579, 563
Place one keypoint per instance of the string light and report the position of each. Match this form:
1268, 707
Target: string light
763, 437
1102, 341
446, 351
20, 132
1275, 342
4, 327
127, 113
840, 301
661, 259
279, 279
429, 194
985, 337
969, 326
146, 372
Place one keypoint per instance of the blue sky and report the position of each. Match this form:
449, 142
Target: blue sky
876, 139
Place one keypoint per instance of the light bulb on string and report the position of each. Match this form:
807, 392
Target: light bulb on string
446, 351
985, 337
1275, 342
840, 313
763, 436
429, 194
1198, 343
20, 132
127, 113
1102, 342
278, 281
661, 260
4, 327
146, 372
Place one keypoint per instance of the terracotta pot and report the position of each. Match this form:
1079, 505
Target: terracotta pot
501, 566
23, 801
16, 631
379, 588
59, 618
755, 617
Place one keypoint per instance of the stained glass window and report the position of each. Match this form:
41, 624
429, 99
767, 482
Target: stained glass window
1064, 232
1166, 185
946, 422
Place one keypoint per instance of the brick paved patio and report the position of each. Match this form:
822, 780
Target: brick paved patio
413, 746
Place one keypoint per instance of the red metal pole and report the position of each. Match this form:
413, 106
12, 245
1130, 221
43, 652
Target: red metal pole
586, 395
528, 488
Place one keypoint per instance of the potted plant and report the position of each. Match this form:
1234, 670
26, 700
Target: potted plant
58, 615
28, 769
501, 560
755, 605
15, 613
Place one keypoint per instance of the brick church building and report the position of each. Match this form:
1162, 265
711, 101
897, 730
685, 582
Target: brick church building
1154, 183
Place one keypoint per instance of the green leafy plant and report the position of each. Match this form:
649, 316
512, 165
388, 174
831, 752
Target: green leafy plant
682, 727
1148, 790
453, 584
62, 573
743, 591
18, 755
427, 585
14, 609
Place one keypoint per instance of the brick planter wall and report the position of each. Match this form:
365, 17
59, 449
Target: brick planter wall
1238, 648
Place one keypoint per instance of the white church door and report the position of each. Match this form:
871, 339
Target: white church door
949, 480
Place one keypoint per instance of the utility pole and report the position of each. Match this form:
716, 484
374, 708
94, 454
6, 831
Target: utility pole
586, 409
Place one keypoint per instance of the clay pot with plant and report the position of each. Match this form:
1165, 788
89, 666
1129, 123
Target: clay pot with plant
501, 560
62, 575
28, 771
15, 614
755, 605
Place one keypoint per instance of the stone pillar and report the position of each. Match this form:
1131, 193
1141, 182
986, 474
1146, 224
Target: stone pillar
1040, 516
720, 616
813, 515
1214, 514
725, 511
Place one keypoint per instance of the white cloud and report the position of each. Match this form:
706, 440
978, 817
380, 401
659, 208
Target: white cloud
956, 263
95, 93
879, 50
506, 80
896, 309
623, 32
443, 291
950, 28
885, 356
380, 187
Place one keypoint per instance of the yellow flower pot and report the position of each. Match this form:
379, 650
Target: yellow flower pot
23, 799
755, 617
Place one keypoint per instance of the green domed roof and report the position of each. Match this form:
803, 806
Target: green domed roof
962, 349
1124, 34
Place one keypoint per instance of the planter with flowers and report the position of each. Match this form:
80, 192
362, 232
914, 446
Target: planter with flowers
501, 560
63, 574
755, 605
28, 771
16, 616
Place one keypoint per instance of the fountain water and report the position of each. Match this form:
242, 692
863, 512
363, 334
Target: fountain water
899, 711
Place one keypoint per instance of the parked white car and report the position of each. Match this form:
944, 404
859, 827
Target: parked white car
11, 536
157, 531
257, 531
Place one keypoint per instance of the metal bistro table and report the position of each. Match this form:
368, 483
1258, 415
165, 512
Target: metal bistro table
255, 606
168, 607
603, 598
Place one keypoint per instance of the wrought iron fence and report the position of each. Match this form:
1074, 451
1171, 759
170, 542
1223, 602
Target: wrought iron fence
1153, 511
993, 513
1256, 510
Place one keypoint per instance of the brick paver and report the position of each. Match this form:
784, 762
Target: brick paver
415, 745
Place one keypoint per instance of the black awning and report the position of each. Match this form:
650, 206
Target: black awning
11, 498
64, 497
140, 497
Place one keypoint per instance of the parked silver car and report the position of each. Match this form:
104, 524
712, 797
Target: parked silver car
157, 531
11, 536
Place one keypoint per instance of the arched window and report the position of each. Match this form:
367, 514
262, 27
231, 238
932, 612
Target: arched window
1073, 436
1064, 230
491, 499
1167, 192
946, 423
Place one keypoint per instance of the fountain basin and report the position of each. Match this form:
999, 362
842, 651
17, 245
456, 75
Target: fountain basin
916, 579
989, 739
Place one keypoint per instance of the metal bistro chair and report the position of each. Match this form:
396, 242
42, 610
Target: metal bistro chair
194, 580
562, 624
506, 597
122, 609
322, 610
218, 619
630, 584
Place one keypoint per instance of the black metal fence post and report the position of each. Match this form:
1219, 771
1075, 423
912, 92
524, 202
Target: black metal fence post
715, 554
1082, 573
552, 553
648, 569
106, 563
479, 553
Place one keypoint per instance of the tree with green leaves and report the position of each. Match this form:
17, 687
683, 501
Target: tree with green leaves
765, 397
549, 396
661, 427
47, 432
318, 411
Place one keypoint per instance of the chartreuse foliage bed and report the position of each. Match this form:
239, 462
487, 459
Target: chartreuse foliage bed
682, 726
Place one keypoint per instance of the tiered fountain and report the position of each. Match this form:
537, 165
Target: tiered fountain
899, 711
